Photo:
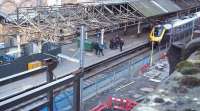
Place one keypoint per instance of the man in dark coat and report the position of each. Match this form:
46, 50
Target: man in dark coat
96, 47
121, 44
101, 49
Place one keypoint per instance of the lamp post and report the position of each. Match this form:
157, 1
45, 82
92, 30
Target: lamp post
18, 44
77, 101
172, 35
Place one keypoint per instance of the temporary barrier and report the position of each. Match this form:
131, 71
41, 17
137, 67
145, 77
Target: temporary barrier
144, 68
116, 104
163, 56
34, 64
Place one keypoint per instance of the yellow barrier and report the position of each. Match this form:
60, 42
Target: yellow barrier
34, 64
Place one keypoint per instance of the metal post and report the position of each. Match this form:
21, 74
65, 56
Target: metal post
102, 36
50, 94
78, 83
86, 35
138, 32
18, 44
50, 65
39, 46
76, 96
151, 56
193, 26
82, 41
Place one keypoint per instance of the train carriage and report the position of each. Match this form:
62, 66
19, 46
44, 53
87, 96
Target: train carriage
177, 29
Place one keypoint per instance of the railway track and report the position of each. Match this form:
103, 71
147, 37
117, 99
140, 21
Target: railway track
111, 59
116, 60
101, 66
140, 47
108, 62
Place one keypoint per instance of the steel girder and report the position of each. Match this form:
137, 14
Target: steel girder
49, 23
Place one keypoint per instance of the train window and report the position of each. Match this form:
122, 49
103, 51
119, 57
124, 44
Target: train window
176, 29
189, 24
158, 31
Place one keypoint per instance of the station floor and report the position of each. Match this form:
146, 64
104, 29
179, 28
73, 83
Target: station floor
66, 67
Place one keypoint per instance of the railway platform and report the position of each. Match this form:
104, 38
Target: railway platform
66, 67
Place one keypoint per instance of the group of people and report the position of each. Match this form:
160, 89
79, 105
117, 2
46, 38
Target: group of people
116, 42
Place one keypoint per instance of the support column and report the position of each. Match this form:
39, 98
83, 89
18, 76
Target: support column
39, 47
138, 32
86, 35
78, 83
193, 26
18, 44
50, 63
152, 51
102, 36
76, 92
82, 65
50, 94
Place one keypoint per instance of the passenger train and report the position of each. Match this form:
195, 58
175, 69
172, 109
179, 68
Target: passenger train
177, 29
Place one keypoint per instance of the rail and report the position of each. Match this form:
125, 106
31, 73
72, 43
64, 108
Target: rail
22, 97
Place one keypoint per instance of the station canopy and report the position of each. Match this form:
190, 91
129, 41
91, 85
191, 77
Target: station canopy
154, 7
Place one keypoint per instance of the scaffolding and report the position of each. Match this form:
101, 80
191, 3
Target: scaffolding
50, 23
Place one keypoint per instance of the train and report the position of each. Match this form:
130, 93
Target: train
176, 29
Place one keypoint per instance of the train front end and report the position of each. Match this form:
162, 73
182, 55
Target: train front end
156, 34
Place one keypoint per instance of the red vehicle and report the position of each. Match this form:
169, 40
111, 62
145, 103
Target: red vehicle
115, 104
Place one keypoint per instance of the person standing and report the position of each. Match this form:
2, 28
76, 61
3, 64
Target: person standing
101, 50
96, 47
117, 41
121, 44
111, 44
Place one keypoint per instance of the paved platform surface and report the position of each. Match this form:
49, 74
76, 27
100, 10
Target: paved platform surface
65, 67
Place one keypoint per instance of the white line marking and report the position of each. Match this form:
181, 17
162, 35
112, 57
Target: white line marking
121, 87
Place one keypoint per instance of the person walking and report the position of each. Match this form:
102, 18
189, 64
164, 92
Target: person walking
121, 44
96, 47
101, 50
111, 44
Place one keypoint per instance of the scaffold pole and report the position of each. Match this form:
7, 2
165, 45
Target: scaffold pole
151, 56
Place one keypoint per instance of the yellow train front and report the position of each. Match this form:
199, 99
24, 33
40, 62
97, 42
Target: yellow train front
157, 34
174, 30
